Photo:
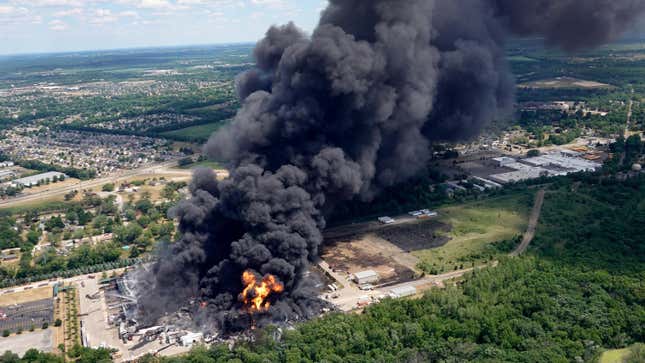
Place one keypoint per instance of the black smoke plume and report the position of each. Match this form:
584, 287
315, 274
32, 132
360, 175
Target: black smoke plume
341, 114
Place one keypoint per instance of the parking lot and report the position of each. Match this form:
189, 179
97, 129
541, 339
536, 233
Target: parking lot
26, 316
39, 339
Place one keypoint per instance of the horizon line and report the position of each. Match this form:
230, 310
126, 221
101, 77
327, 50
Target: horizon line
143, 47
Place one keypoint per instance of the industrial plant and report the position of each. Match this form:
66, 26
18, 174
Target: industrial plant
556, 163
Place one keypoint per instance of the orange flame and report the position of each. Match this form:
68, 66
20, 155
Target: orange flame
255, 296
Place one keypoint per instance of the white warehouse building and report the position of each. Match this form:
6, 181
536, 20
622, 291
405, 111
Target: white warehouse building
366, 277
33, 180
403, 291
504, 161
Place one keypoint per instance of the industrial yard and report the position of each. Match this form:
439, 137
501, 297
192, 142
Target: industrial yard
371, 252
394, 256
103, 307
387, 257
91, 311
362, 264
27, 319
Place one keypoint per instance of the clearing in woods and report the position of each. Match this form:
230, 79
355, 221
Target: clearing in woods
565, 82
473, 228
614, 356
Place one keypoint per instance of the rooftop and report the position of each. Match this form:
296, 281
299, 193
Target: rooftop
365, 274
34, 179
403, 290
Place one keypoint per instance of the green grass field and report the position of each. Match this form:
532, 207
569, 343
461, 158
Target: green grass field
633, 353
198, 133
206, 109
50, 204
475, 226
614, 356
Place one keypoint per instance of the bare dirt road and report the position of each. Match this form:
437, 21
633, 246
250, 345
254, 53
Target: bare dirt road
627, 125
533, 221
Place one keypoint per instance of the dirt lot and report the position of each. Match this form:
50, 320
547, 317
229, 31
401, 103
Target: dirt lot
68, 182
19, 344
416, 236
370, 252
21, 297
565, 82
483, 168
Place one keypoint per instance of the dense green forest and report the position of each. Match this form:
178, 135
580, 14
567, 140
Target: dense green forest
76, 354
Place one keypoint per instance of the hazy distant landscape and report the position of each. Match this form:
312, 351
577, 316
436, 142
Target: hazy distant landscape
125, 128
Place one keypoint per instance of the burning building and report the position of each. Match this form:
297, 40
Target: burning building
256, 294
341, 114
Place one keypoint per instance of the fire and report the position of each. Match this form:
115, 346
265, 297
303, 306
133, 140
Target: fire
255, 295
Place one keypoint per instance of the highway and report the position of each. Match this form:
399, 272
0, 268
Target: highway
90, 184
73, 279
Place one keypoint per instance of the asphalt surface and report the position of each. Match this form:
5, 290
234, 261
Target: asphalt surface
86, 184
42, 340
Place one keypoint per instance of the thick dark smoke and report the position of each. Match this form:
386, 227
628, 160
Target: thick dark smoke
570, 24
342, 114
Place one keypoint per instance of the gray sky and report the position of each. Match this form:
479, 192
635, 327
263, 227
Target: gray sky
28, 26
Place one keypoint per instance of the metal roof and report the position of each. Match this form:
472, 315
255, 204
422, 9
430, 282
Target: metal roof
34, 179
404, 290
365, 274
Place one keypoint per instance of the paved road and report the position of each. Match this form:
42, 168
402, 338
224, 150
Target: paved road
431, 279
533, 221
75, 279
86, 184
42, 340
